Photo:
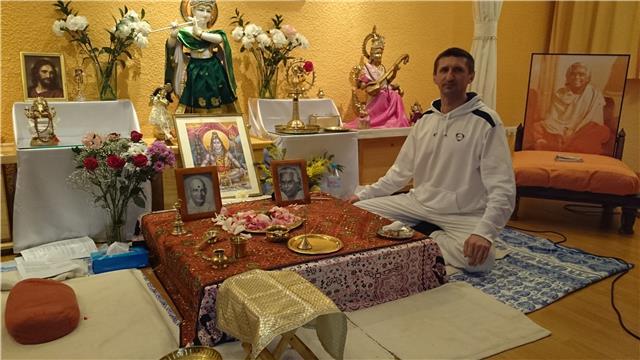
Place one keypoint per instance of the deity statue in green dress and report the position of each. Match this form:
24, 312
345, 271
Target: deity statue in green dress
199, 65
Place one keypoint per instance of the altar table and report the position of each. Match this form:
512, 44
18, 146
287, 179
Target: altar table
367, 271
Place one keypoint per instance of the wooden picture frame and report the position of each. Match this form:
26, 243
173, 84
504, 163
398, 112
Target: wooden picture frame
574, 102
222, 141
199, 191
45, 72
294, 189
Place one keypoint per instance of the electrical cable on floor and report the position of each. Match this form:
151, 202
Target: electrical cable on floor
613, 304
564, 238
612, 297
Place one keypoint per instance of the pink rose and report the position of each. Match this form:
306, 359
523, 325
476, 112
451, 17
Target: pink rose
92, 141
90, 163
308, 66
115, 162
136, 136
140, 160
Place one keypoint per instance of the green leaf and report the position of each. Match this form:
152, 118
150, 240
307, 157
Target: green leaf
128, 54
139, 201
142, 14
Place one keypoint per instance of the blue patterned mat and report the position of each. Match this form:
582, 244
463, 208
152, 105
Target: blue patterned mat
538, 272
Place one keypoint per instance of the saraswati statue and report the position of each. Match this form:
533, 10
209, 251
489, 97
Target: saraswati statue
198, 62
378, 102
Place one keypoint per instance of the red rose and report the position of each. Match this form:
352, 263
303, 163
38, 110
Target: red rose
308, 66
90, 163
140, 160
115, 162
136, 136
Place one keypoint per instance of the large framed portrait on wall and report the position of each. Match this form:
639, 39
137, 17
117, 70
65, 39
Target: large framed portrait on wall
574, 102
43, 75
220, 141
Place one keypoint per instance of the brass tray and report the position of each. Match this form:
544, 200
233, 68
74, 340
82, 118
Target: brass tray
320, 244
336, 129
193, 353
308, 129
290, 227
404, 233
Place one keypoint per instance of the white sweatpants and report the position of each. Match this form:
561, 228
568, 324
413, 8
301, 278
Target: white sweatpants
455, 228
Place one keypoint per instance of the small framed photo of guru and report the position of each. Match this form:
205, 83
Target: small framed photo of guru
199, 190
290, 182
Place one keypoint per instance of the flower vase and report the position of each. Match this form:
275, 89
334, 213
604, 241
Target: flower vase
269, 85
115, 231
107, 80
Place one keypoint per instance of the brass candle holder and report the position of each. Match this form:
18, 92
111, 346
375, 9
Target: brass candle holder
178, 224
300, 77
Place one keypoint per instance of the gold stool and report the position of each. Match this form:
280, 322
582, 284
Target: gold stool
257, 306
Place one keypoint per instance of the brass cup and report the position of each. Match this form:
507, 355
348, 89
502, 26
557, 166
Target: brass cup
277, 233
219, 259
238, 247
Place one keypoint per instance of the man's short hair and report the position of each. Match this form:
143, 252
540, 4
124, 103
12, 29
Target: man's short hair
455, 52
35, 72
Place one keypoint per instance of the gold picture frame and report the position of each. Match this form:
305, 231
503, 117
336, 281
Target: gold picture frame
295, 188
222, 141
34, 65
199, 190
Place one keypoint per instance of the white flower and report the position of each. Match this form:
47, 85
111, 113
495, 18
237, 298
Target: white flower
142, 27
252, 29
237, 33
76, 23
301, 40
278, 37
141, 41
132, 15
247, 41
263, 40
58, 27
123, 29
136, 148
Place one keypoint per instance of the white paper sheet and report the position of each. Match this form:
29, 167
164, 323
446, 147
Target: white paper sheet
43, 269
69, 249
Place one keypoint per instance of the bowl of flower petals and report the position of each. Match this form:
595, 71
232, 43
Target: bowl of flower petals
257, 222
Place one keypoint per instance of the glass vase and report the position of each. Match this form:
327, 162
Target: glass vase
115, 231
107, 80
269, 84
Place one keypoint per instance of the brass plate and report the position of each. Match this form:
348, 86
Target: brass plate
320, 244
193, 353
308, 129
402, 234
290, 227
336, 129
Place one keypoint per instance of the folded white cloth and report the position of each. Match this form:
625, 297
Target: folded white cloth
394, 226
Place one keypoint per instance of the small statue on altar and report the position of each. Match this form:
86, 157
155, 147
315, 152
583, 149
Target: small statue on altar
199, 63
416, 113
373, 88
159, 116
78, 79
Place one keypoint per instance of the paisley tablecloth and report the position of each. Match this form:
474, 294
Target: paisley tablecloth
368, 270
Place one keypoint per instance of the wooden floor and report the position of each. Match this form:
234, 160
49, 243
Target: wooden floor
583, 324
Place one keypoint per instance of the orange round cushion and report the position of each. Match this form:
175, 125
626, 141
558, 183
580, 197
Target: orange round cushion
41, 310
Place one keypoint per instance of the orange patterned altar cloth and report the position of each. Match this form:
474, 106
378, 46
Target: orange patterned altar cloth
185, 274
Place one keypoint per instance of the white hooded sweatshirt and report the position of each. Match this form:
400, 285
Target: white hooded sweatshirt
460, 164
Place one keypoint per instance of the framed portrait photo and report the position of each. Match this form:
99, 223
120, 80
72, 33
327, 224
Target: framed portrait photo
199, 190
290, 182
574, 102
220, 141
43, 75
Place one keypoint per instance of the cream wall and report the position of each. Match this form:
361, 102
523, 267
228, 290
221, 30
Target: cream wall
335, 29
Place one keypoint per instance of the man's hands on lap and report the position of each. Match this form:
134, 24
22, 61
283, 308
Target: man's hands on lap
476, 249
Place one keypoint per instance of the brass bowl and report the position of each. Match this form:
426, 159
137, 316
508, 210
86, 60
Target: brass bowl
193, 353
277, 233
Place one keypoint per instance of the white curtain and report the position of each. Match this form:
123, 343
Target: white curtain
484, 49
